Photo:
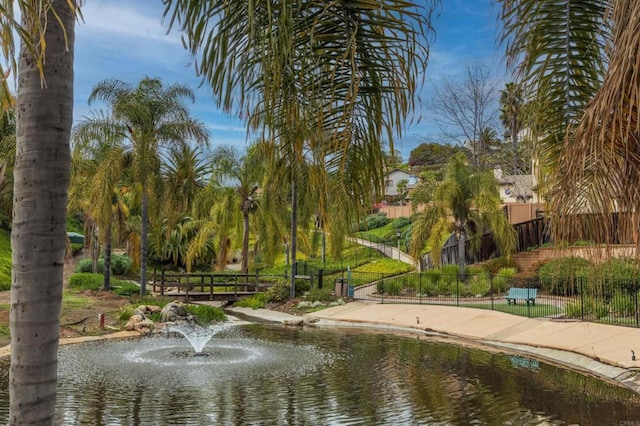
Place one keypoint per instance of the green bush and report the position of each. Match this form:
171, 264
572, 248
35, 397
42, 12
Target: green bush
5, 260
373, 221
279, 292
86, 281
573, 310
120, 265
393, 287
445, 287
401, 222
124, 288
479, 285
561, 276
502, 280
257, 301
86, 265
495, 265
623, 303
320, 295
206, 314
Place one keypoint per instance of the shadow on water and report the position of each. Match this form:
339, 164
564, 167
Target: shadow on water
275, 375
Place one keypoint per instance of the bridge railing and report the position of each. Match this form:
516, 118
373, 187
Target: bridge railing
209, 284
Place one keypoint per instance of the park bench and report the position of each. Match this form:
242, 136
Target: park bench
516, 293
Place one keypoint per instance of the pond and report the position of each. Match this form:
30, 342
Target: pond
265, 374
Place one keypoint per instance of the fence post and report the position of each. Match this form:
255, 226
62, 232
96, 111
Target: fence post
457, 290
581, 300
162, 282
420, 281
636, 289
383, 283
320, 272
491, 293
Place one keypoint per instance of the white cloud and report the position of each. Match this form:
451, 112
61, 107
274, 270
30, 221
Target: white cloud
117, 19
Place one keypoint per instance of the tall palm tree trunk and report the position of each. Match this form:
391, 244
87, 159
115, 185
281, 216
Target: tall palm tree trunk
144, 213
107, 257
39, 219
294, 237
244, 266
462, 261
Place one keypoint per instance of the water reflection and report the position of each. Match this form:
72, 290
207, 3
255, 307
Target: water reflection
305, 376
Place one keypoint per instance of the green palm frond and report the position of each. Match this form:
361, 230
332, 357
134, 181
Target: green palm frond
559, 52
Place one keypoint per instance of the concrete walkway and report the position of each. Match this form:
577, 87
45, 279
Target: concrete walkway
598, 349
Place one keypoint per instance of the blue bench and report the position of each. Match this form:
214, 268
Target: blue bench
516, 293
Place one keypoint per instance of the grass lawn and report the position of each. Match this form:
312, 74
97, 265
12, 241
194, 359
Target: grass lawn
533, 311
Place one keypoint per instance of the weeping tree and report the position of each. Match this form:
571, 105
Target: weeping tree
317, 75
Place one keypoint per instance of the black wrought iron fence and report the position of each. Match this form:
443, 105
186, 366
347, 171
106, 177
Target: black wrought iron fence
603, 300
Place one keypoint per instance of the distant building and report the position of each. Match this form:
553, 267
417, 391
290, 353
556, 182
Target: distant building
391, 184
517, 192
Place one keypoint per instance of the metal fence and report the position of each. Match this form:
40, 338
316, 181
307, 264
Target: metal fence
601, 300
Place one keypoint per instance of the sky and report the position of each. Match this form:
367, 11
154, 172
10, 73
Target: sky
126, 40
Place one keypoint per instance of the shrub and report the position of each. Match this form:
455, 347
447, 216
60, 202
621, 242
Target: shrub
573, 310
86, 281
401, 222
279, 292
502, 280
320, 295
445, 287
86, 266
124, 288
393, 287
479, 285
257, 301
495, 265
623, 304
475, 270
206, 314
373, 221
120, 264
560, 276
302, 286
126, 312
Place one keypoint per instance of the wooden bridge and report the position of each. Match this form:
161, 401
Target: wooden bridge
210, 286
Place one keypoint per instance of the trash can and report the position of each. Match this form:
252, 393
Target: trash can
341, 287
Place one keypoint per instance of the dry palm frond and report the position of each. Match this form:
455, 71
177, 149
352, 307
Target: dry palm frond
600, 172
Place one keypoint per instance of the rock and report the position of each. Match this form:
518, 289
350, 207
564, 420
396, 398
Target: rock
141, 311
153, 309
173, 312
293, 322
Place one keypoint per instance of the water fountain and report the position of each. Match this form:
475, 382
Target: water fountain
197, 335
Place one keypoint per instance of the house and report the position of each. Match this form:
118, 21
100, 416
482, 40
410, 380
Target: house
521, 201
391, 184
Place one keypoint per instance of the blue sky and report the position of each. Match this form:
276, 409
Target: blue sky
125, 39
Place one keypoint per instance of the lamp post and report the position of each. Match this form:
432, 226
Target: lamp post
398, 235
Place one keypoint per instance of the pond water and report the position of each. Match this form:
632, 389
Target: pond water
264, 374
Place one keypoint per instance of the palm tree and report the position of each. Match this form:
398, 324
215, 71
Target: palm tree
245, 172
96, 174
600, 168
41, 178
511, 100
466, 203
145, 118
329, 77
558, 50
